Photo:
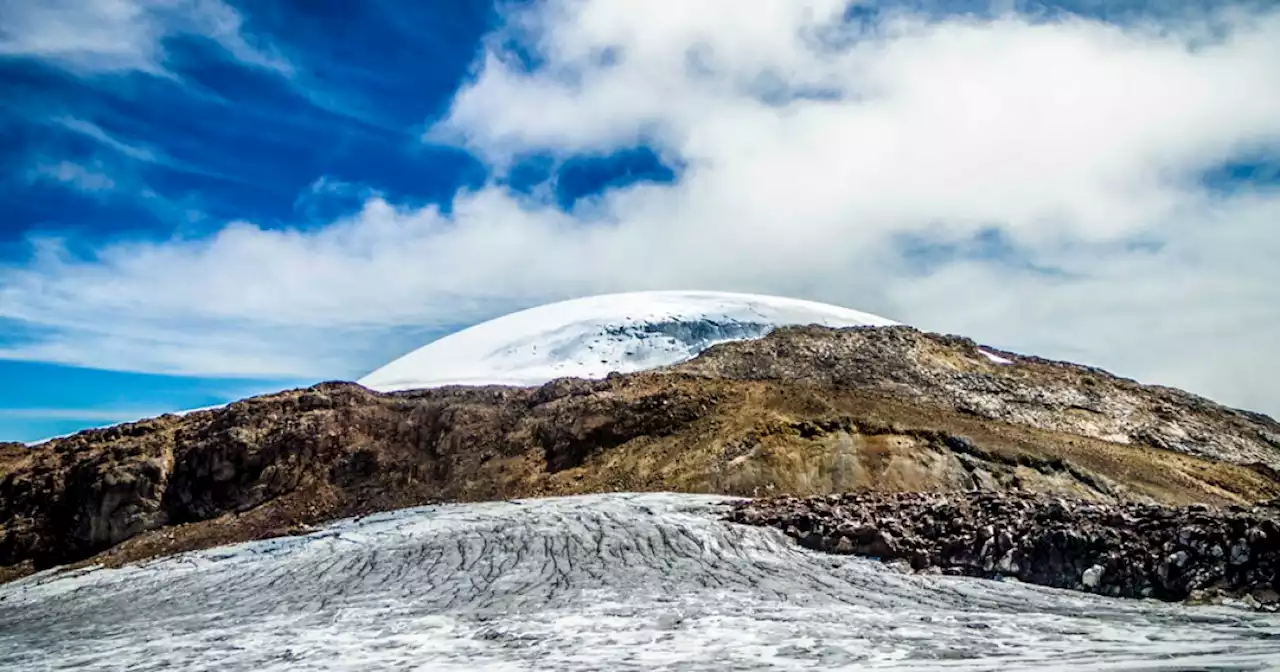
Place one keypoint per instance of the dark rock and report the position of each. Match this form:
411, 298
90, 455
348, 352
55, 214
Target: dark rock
1126, 550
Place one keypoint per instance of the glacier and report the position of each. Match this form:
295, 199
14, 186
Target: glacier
593, 336
600, 582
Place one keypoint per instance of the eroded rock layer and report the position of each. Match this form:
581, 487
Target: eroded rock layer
1117, 549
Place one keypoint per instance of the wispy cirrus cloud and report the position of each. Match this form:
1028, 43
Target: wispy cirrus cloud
97, 41
103, 36
97, 133
1031, 180
86, 178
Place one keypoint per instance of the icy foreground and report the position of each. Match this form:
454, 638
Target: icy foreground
593, 336
605, 582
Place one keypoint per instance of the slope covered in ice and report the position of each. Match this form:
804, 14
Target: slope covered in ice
593, 336
606, 582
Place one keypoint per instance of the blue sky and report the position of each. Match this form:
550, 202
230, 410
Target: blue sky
95, 156
205, 199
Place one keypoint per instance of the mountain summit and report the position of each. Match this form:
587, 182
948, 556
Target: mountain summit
594, 336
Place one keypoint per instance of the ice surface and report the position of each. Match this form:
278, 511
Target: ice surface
607, 582
590, 337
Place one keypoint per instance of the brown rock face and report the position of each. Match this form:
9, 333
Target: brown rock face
951, 372
806, 411
1122, 550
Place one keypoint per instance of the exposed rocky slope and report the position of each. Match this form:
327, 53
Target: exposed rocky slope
1119, 549
804, 411
951, 372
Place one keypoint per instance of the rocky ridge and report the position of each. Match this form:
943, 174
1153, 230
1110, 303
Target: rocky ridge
803, 411
1119, 549
952, 372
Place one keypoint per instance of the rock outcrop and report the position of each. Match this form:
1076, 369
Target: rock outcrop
954, 373
1117, 549
804, 411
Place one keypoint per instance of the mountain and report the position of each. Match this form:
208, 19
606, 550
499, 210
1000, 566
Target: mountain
594, 336
804, 410
288, 529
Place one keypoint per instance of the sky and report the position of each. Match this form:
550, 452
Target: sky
207, 199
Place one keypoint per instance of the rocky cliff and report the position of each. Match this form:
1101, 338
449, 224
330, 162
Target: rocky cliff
804, 411
1118, 549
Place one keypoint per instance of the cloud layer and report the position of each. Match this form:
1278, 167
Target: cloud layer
1032, 182
103, 36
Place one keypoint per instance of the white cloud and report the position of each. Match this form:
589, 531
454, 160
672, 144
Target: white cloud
90, 179
1075, 139
101, 179
93, 36
96, 132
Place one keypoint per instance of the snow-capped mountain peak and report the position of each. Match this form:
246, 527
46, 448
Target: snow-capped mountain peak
593, 336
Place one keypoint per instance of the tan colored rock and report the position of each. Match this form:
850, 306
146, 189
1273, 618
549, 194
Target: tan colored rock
953, 373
